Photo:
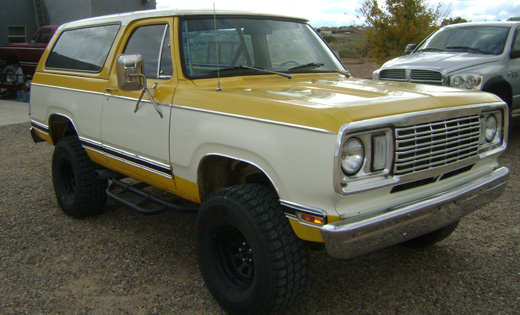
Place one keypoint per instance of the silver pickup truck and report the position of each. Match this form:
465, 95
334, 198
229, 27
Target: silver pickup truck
477, 56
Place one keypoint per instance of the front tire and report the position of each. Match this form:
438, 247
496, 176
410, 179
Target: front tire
249, 257
79, 191
13, 74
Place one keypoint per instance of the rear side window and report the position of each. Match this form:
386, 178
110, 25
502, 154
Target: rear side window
84, 49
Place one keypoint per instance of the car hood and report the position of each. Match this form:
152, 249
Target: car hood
449, 61
320, 101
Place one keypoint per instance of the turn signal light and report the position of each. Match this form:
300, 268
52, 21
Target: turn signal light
312, 219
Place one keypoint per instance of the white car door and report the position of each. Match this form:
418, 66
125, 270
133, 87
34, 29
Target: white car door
135, 134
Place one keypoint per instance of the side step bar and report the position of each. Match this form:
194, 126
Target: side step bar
134, 197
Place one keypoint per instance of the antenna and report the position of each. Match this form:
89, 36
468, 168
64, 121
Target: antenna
216, 48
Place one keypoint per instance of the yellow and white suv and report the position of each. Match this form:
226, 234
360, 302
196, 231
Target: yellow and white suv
253, 118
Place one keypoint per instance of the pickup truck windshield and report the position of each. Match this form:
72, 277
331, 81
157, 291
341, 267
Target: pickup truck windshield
244, 46
489, 40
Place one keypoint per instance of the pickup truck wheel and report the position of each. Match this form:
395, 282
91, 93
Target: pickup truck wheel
13, 74
79, 191
432, 237
249, 257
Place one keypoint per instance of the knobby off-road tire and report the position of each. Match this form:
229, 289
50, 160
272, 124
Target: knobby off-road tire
79, 191
249, 257
432, 237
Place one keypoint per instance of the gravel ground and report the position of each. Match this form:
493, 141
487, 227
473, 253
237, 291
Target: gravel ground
126, 263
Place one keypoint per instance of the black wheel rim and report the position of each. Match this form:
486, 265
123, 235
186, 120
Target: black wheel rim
235, 258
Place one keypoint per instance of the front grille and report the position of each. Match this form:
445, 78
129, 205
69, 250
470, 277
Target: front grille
393, 75
426, 77
430, 145
413, 76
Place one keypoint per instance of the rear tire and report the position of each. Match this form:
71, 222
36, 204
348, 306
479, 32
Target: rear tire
79, 191
432, 237
249, 257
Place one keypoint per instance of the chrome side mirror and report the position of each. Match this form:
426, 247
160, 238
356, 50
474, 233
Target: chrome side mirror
130, 72
130, 77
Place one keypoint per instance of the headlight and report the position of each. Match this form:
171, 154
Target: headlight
352, 156
491, 128
467, 81
363, 157
492, 132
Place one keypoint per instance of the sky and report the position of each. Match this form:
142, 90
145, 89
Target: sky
343, 12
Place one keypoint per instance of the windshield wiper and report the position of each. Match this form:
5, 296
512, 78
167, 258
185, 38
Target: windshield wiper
430, 49
466, 49
312, 65
242, 67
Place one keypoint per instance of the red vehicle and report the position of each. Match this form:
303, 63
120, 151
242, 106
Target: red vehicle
18, 61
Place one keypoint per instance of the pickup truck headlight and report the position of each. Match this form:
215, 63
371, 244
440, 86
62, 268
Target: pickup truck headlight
492, 132
466, 81
491, 128
366, 154
352, 156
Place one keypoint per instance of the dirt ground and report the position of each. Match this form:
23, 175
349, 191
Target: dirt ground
360, 68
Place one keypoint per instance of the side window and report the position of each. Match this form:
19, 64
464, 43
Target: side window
516, 41
153, 43
43, 37
83, 49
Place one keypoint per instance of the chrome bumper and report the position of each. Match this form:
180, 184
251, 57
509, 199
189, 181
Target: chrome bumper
358, 236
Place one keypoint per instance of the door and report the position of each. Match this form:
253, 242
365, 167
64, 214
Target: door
135, 135
514, 69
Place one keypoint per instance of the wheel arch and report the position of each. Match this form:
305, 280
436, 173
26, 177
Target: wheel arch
61, 126
217, 171
11, 60
499, 86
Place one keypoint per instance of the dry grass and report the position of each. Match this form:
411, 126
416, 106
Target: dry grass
360, 68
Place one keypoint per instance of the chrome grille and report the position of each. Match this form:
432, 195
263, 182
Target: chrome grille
413, 76
430, 145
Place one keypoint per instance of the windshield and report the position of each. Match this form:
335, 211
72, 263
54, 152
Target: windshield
252, 46
474, 39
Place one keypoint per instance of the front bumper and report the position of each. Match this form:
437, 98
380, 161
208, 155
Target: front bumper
361, 235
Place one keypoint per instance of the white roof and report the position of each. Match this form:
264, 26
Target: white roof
125, 18
498, 23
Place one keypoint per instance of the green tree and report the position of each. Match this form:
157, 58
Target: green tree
390, 27
453, 21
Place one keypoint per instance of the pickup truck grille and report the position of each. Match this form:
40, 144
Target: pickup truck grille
430, 145
413, 76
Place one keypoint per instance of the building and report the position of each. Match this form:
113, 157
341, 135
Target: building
20, 19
